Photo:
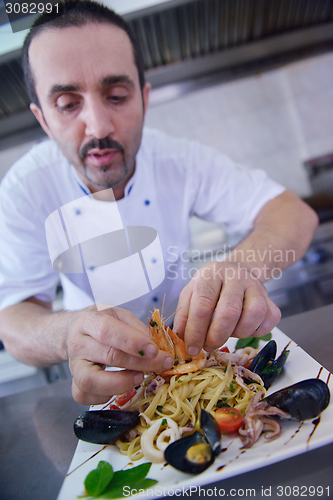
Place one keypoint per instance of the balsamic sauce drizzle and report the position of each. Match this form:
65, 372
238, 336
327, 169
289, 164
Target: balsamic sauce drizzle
92, 456
230, 461
315, 422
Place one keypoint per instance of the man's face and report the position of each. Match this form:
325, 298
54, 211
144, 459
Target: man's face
91, 102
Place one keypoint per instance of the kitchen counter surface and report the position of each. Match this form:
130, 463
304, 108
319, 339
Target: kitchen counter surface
37, 441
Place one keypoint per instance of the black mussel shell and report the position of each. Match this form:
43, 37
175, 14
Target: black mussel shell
270, 373
178, 454
303, 400
265, 364
265, 356
104, 426
211, 431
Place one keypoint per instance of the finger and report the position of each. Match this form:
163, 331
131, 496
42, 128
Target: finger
111, 331
272, 318
116, 358
202, 305
130, 319
183, 307
255, 309
94, 352
228, 311
93, 385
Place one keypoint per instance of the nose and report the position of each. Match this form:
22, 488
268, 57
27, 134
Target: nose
97, 118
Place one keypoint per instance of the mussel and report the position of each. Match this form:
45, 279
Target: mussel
266, 366
195, 453
104, 426
303, 400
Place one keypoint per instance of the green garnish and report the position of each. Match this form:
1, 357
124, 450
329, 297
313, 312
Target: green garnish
164, 421
141, 353
179, 381
102, 482
232, 387
159, 408
252, 341
222, 404
233, 413
98, 479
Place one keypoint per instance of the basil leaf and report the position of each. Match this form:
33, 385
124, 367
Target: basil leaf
267, 337
252, 341
128, 476
128, 489
249, 341
98, 479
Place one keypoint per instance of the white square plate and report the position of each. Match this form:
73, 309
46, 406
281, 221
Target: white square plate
295, 438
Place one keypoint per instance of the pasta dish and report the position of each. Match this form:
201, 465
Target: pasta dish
170, 404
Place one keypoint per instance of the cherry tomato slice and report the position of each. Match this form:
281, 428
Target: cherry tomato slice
224, 349
229, 419
123, 398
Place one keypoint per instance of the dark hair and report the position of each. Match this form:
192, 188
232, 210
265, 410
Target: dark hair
76, 13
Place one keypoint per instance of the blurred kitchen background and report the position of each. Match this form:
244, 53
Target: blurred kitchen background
252, 78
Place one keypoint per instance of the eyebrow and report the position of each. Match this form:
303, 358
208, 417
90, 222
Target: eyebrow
115, 79
62, 88
106, 82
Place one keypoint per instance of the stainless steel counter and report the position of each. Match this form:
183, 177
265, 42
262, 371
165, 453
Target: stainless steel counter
37, 441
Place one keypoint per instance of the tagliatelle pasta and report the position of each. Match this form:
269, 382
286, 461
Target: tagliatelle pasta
174, 407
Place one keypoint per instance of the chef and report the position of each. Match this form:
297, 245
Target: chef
84, 73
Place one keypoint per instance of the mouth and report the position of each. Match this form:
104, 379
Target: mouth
101, 158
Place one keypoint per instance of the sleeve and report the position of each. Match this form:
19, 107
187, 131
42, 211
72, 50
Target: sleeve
226, 192
25, 265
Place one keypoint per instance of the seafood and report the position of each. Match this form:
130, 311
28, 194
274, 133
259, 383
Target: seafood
184, 399
211, 431
242, 357
303, 400
196, 452
256, 421
265, 364
168, 341
104, 426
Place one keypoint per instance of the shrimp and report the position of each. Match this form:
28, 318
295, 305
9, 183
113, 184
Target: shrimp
168, 341
159, 334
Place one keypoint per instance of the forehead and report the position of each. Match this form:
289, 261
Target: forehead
83, 55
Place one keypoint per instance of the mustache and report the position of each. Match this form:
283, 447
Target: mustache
105, 143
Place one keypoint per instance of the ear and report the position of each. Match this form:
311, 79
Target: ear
145, 94
36, 110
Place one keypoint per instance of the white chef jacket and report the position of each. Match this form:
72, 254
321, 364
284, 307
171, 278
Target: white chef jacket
174, 179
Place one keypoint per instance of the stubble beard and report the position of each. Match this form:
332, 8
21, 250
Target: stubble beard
108, 176
111, 175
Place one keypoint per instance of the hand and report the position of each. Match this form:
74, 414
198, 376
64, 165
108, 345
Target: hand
241, 303
112, 337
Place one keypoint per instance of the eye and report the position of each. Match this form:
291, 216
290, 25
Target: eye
67, 102
117, 94
117, 98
